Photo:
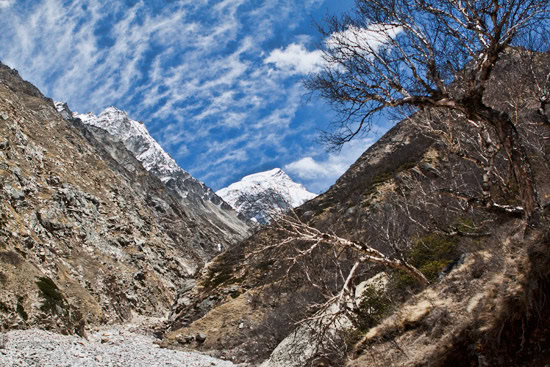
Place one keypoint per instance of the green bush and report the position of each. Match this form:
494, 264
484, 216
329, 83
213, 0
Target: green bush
51, 294
465, 225
433, 248
430, 255
374, 307
432, 269
400, 281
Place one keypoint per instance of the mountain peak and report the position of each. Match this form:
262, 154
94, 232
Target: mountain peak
261, 176
256, 196
136, 138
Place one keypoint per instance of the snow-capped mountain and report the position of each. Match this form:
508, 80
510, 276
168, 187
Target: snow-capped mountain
200, 200
136, 138
259, 195
134, 135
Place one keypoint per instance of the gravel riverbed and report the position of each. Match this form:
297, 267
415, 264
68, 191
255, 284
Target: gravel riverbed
121, 346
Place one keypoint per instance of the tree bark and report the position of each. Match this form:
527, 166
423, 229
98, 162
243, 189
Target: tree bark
517, 155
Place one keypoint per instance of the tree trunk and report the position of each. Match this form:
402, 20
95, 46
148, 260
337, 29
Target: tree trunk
510, 140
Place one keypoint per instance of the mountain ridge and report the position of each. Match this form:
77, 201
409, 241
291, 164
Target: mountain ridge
413, 195
136, 138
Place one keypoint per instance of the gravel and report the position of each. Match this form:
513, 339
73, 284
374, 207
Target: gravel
107, 347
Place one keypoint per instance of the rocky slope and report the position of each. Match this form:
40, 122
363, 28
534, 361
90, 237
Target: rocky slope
87, 234
259, 196
137, 140
417, 193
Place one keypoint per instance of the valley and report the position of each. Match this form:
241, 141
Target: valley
431, 249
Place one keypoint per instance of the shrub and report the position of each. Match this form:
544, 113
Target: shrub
430, 255
51, 295
373, 308
465, 225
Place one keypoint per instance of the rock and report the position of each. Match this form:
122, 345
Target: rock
184, 301
185, 339
138, 256
53, 180
14, 193
350, 212
50, 219
4, 145
4, 115
140, 275
200, 338
428, 168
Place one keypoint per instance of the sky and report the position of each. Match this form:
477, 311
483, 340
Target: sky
218, 83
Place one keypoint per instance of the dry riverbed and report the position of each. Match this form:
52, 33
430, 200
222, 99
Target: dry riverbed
121, 345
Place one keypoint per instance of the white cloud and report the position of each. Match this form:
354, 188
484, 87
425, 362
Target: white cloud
354, 40
309, 169
296, 59
6, 3
317, 174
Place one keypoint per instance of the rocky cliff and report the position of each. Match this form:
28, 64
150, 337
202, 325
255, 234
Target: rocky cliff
114, 128
87, 234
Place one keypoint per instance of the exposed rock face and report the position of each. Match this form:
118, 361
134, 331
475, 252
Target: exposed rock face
258, 196
135, 137
87, 234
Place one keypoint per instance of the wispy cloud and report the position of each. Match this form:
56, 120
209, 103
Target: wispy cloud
196, 72
320, 172
6, 3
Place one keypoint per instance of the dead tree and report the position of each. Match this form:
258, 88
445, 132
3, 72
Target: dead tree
300, 241
297, 230
416, 54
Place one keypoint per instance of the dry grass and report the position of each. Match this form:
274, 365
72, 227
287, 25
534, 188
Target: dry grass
427, 325
221, 324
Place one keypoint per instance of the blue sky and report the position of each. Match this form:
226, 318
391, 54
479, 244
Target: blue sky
218, 83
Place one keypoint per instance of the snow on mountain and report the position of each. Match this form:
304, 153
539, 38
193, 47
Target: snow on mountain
199, 199
134, 135
258, 195
136, 138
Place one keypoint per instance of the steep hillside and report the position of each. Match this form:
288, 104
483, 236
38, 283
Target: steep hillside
87, 234
259, 196
113, 127
431, 191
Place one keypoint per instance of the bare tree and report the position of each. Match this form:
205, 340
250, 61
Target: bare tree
416, 54
331, 267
